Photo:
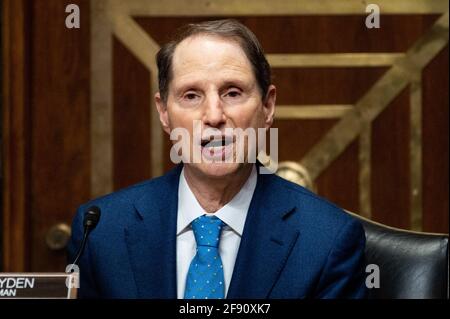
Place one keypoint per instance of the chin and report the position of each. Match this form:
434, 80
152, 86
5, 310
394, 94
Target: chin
218, 170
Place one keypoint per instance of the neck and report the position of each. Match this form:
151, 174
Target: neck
213, 193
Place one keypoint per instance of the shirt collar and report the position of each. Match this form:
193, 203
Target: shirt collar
233, 214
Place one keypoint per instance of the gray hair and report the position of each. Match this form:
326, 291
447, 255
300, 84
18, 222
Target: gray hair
227, 28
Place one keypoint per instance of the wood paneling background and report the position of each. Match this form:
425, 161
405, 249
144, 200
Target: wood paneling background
131, 119
46, 117
60, 122
16, 135
50, 139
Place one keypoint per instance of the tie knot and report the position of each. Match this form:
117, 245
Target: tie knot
207, 230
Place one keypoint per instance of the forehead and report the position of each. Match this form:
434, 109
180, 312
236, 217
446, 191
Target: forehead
203, 55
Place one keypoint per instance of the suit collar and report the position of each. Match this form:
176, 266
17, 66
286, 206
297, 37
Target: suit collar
151, 238
267, 240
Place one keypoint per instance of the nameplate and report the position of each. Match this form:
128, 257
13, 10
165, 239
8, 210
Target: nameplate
39, 285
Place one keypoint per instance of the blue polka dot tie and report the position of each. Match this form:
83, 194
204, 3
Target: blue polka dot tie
205, 276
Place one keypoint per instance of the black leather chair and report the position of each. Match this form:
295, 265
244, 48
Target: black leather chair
412, 265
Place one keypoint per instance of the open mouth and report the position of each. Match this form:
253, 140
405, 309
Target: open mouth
217, 148
216, 141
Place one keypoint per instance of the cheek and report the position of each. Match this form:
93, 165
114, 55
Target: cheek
250, 117
179, 118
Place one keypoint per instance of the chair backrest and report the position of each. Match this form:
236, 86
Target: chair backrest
412, 264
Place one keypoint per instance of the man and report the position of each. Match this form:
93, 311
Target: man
215, 228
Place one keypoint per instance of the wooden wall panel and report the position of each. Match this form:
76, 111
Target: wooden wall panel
323, 85
390, 164
435, 149
60, 125
131, 119
306, 134
339, 182
313, 34
15, 117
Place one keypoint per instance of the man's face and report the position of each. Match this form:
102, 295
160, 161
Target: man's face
213, 83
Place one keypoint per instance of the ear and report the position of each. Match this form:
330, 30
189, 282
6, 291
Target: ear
163, 114
269, 106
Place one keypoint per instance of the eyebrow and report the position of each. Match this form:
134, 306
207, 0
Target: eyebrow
238, 83
225, 83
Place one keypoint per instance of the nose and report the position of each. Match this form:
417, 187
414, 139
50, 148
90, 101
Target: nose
214, 115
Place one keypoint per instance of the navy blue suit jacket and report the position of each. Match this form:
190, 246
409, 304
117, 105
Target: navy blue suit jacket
294, 245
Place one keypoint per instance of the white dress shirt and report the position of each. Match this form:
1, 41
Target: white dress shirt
233, 214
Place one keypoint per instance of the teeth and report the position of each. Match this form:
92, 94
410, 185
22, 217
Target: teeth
216, 142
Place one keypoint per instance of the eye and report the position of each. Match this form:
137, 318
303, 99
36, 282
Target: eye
233, 93
190, 96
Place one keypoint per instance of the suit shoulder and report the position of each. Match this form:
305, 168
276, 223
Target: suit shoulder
125, 197
313, 206
320, 222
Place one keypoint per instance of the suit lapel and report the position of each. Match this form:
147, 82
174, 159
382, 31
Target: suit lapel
151, 240
266, 242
